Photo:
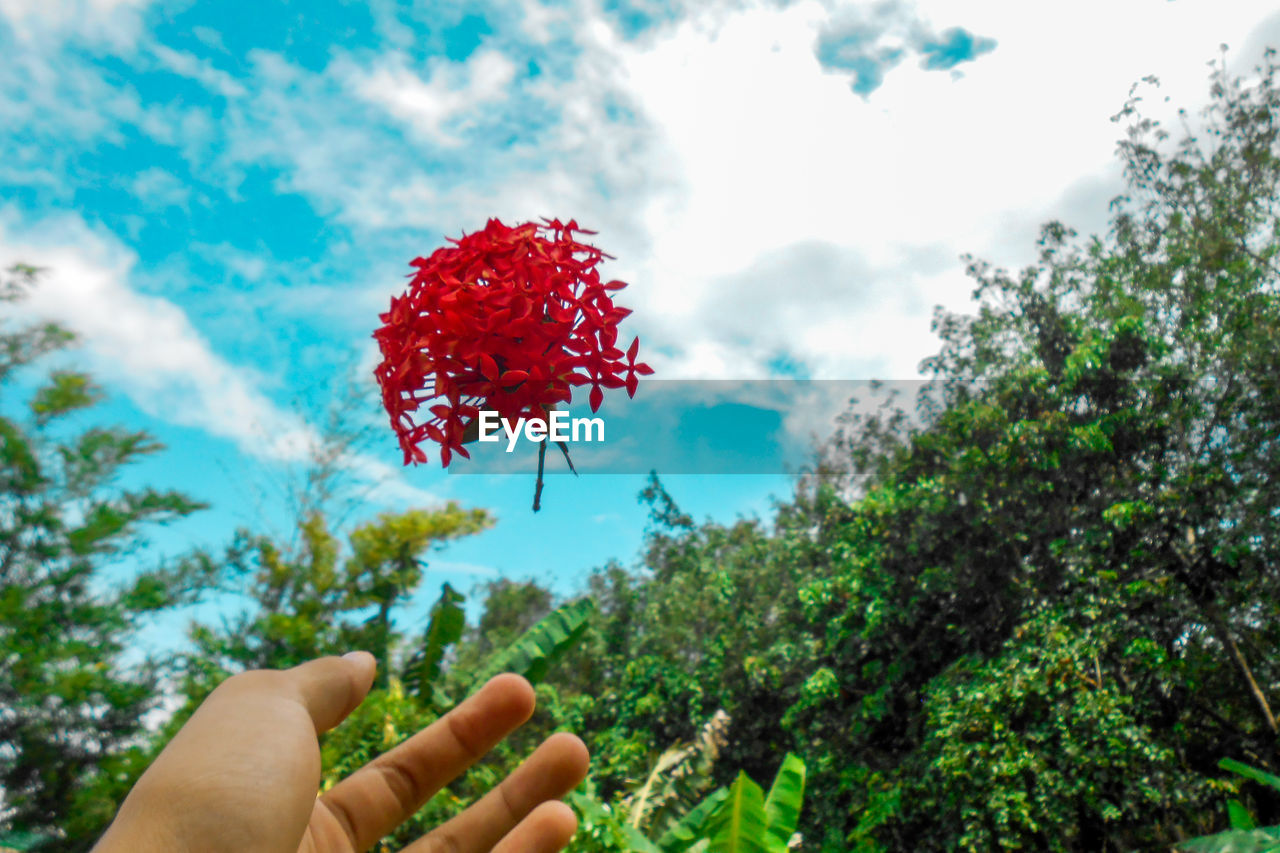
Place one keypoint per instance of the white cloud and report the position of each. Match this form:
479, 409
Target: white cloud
539, 21
758, 207
249, 266
146, 343
115, 22
450, 93
147, 346
774, 153
203, 72
57, 96
159, 188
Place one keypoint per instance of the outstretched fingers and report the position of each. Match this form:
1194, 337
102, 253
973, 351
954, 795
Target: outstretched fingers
521, 807
384, 793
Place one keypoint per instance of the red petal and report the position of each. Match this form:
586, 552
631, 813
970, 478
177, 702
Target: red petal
596, 398
497, 320
643, 369
632, 382
488, 367
512, 378
633, 349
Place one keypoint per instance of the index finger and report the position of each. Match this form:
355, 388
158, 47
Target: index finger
384, 793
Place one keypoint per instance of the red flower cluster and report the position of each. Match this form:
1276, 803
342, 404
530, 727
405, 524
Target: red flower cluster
506, 319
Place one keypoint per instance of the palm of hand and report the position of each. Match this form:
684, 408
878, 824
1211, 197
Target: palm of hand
242, 774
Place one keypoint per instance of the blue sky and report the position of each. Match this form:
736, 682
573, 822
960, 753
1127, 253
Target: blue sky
226, 194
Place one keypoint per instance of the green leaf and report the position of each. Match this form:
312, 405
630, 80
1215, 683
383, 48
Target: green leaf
445, 628
637, 842
689, 828
16, 456
66, 392
1239, 816
536, 650
181, 581
1236, 841
738, 826
102, 523
782, 806
1260, 776
594, 812
95, 456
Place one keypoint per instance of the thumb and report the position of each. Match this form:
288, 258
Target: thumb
332, 687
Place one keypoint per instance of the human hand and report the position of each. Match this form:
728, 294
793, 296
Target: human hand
243, 773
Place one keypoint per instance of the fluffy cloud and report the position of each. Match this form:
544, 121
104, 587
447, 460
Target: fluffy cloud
147, 346
159, 189
762, 211
113, 22
808, 219
145, 343
450, 93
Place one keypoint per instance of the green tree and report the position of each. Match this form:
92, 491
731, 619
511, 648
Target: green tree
323, 596
709, 623
1058, 608
510, 608
72, 697
1039, 616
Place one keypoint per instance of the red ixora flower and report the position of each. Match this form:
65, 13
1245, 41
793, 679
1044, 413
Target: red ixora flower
507, 319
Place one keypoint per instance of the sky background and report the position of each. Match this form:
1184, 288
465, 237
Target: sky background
226, 194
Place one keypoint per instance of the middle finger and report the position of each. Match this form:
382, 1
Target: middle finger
554, 769
388, 790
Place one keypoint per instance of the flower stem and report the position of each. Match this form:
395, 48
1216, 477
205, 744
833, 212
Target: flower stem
564, 448
537, 491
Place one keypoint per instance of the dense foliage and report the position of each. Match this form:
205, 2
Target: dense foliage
70, 701
1039, 619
